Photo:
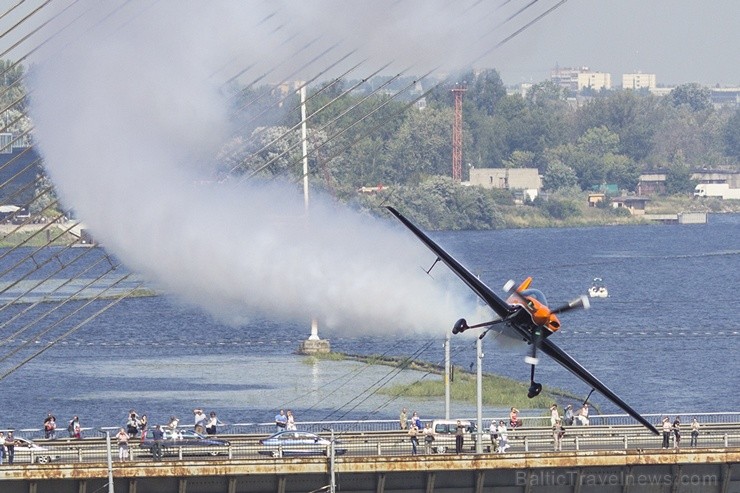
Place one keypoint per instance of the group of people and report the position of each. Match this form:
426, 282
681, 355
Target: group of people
499, 436
674, 429
7, 447
415, 428
50, 427
285, 421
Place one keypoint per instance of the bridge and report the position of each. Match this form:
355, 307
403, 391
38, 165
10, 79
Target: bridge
600, 457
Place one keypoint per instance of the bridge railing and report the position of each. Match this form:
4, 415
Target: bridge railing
393, 425
379, 443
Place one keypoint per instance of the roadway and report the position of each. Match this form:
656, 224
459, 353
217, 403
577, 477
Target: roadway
396, 443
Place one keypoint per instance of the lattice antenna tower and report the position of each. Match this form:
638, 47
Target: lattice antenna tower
458, 91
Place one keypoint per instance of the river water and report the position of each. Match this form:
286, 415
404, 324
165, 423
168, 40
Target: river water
666, 339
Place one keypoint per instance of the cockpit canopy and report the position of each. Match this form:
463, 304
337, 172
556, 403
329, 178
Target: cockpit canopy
536, 294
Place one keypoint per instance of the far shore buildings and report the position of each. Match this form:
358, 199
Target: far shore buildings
526, 181
576, 80
654, 183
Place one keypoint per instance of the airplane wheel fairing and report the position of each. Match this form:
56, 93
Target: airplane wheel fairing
460, 326
534, 390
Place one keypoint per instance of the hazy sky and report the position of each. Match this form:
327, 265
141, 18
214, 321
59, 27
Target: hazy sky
678, 40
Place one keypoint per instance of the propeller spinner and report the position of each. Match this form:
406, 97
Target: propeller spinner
543, 318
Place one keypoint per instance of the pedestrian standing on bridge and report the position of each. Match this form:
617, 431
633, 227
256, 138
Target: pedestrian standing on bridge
414, 437
676, 428
554, 415
10, 447
459, 437
428, 438
415, 419
157, 436
503, 437
122, 437
143, 424
666, 429
694, 432
557, 435
290, 424
200, 420
581, 417
213, 423
281, 421
403, 419
74, 428
568, 415
172, 425
132, 424
514, 420
2, 447
50, 427
493, 431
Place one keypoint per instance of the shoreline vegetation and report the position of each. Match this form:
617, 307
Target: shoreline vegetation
511, 217
498, 391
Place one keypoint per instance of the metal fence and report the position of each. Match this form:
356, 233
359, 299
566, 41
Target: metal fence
363, 438
393, 425
378, 444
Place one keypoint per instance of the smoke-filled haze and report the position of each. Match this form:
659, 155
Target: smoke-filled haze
129, 106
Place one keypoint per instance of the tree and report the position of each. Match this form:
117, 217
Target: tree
731, 136
559, 176
520, 159
693, 95
630, 115
678, 180
422, 146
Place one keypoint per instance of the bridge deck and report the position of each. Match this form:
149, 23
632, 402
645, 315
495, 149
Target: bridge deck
706, 470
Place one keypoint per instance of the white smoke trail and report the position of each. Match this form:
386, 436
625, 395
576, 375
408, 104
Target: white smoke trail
125, 117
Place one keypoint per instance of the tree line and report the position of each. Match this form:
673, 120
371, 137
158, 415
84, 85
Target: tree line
396, 132
578, 142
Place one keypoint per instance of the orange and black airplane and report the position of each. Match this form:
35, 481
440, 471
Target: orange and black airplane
525, 315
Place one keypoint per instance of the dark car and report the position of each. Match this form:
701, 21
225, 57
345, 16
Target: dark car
190, 442
287, 443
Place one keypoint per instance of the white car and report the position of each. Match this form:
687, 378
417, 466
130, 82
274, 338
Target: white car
292, 443
29, 451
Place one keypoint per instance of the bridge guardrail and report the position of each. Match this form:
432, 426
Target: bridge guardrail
392, 425
396, 443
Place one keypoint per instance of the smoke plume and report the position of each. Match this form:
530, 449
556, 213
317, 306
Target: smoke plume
128, 104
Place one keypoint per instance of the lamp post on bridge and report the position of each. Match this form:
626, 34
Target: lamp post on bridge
313, 344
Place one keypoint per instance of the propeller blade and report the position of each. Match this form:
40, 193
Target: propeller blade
580, 302
510, 288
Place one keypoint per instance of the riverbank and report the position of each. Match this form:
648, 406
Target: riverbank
498, 391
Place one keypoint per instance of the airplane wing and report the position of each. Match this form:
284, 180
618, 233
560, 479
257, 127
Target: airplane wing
566, 361
501, 307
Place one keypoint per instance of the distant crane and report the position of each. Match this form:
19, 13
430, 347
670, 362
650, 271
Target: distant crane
458, 91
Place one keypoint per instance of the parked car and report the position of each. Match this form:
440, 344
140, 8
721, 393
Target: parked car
293, 443
444, 435
189, 441
29, 451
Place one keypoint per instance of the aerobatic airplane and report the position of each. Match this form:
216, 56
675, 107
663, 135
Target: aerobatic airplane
525, 316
